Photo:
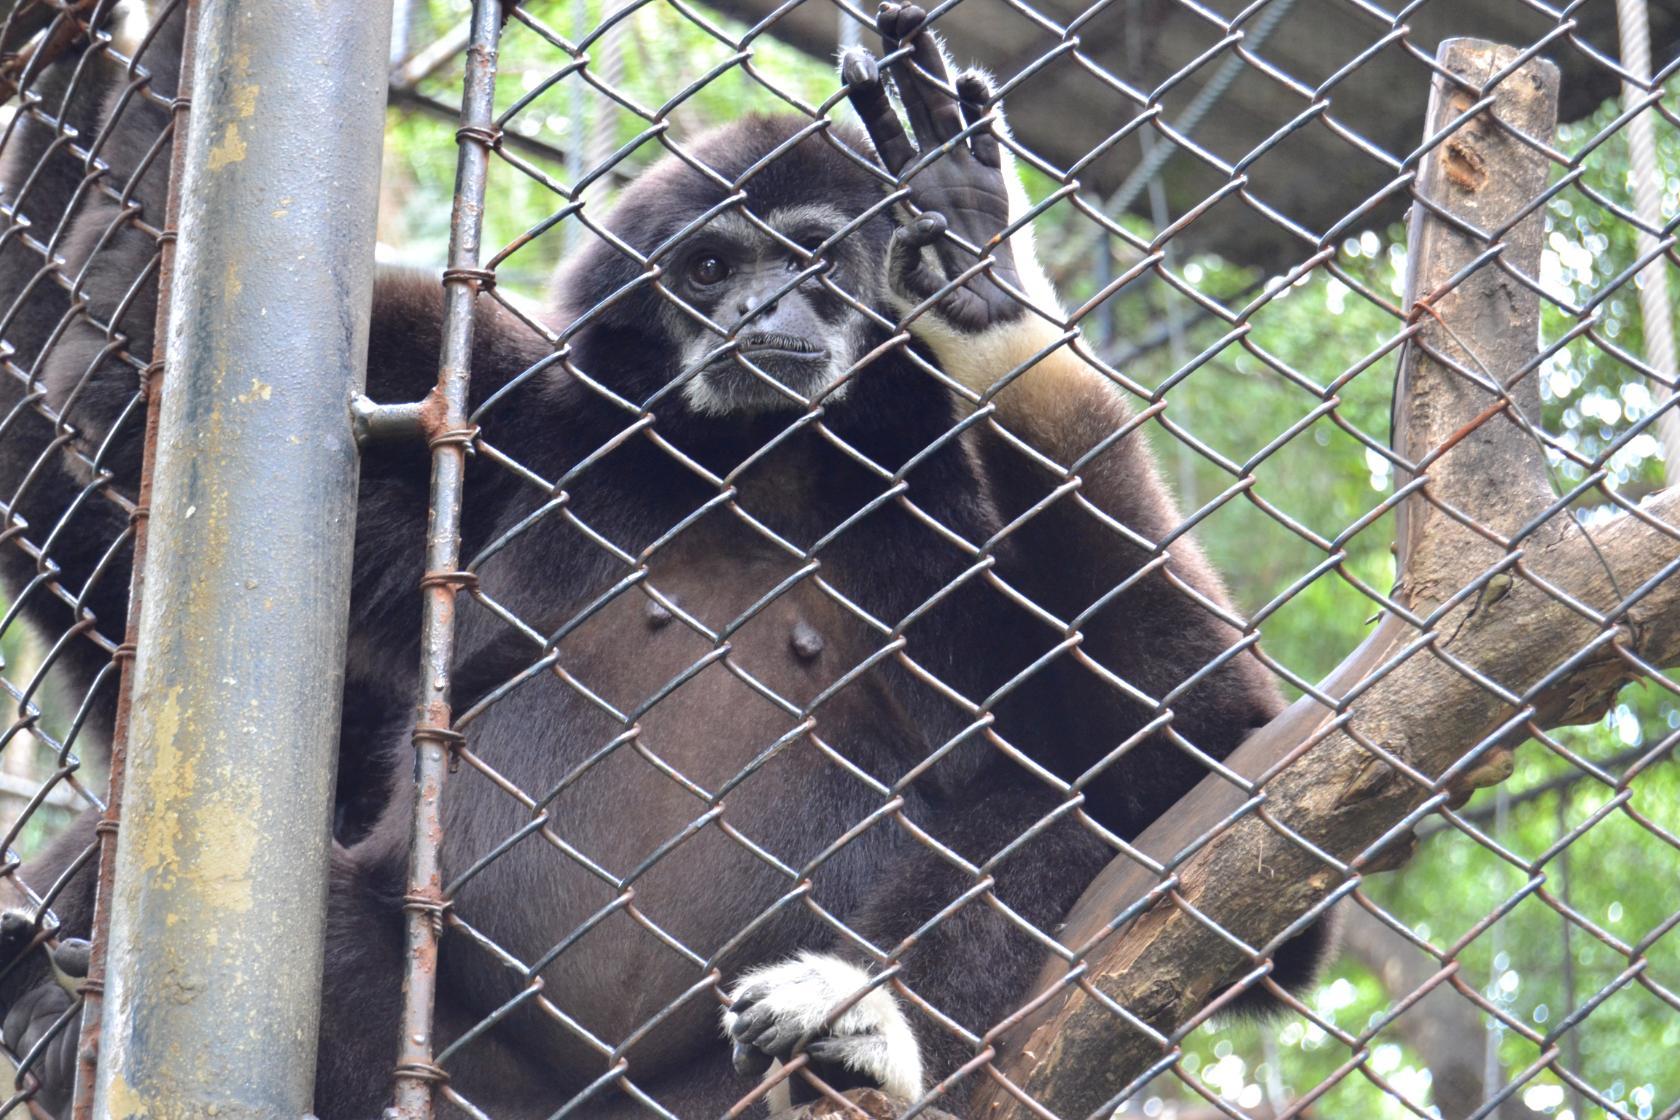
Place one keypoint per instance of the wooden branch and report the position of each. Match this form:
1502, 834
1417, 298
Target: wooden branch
1466, 400
858, 1104
1329, 787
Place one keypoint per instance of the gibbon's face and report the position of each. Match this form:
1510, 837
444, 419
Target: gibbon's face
752, 288
780, 329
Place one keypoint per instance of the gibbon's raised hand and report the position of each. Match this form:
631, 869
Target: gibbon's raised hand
949, 249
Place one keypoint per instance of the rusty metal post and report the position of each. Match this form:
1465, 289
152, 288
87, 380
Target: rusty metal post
214, 968
416, 1073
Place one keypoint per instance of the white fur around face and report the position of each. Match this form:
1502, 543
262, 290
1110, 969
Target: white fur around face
705, 398
875, 1036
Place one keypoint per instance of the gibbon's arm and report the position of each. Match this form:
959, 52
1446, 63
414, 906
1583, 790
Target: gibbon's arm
1108, 558
1105, 556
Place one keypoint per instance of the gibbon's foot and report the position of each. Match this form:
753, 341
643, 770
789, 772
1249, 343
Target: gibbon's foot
773, 1009
950, 251
44, 1000
1493, 767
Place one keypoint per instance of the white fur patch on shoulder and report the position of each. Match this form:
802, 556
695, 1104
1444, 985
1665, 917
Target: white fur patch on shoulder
873, 1037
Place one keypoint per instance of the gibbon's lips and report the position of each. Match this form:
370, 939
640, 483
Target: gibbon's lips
777, 345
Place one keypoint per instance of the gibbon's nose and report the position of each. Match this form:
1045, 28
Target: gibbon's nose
751, 302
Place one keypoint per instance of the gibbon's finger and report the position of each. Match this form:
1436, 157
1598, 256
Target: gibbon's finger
890, 22
749, 1061
971, 110
907, 265
924, 81
70, 962
933, 82
875, 109
975, 93
925, 229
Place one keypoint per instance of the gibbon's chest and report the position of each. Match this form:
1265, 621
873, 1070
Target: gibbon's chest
732, 646
722, 670
731, 589
727, 686
724, 648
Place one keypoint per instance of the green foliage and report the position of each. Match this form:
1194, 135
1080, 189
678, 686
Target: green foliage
1593, 396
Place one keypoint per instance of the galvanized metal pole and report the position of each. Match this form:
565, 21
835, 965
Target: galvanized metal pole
214, 970
1656, 313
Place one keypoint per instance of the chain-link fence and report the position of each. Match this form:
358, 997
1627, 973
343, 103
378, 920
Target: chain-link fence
86, 138
786, 661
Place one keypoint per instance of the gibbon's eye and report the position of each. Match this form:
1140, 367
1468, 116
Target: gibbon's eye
707, 269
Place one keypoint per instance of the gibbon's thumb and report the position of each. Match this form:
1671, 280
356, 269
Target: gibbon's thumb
70, 962
907, 262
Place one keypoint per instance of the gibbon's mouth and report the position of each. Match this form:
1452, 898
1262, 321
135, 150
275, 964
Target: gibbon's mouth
776, 345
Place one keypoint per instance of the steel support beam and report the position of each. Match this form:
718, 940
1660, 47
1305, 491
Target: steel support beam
213, 990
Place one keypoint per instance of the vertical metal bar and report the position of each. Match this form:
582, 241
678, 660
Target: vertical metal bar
94, 986
416, 1074
213, 993
1656, 322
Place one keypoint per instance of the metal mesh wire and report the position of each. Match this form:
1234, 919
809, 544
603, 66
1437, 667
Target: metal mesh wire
1215, 190
1441, 981
85, 139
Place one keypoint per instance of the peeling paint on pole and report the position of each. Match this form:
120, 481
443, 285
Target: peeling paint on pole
214, 968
